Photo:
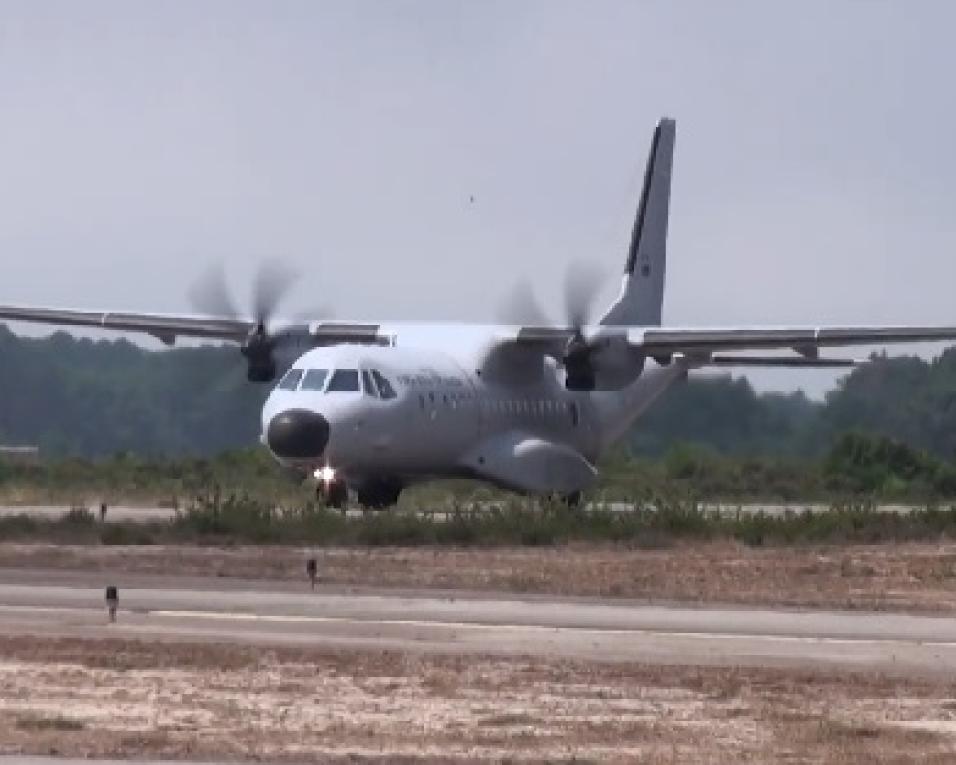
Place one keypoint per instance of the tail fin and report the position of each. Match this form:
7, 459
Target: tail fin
642, 295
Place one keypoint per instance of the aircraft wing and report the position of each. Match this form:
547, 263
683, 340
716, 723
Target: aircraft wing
165, 327
806, 341
787, 362
664, 342
615, 354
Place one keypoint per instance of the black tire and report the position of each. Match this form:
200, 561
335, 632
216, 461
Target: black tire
573, 500
379, 495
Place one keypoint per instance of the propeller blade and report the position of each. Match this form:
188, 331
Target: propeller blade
210, 294
581, 286
521, 306
272, 283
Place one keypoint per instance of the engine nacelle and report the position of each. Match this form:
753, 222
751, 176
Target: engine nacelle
610, 363
258, 350
261, 372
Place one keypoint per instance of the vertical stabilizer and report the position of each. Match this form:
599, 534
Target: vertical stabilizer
642, 295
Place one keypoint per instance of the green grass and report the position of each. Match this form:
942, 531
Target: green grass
233, 498
856, 467
243, 520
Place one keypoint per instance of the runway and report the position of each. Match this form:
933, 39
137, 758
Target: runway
58, 603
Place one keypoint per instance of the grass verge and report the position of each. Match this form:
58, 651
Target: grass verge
239, 520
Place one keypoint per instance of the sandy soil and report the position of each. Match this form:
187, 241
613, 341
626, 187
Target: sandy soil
129, 699
917, 577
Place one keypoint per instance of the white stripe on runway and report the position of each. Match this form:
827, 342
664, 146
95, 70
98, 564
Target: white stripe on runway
457, 625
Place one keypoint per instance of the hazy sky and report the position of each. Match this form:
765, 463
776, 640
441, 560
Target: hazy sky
815, 174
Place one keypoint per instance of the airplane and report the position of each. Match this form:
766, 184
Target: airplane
529, 405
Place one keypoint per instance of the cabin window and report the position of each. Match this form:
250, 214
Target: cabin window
344, 381
315, 379
385, 389
291, 380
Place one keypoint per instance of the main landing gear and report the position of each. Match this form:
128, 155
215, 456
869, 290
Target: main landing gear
572, 501
379, 494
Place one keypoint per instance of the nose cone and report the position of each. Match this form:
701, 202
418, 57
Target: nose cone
298, 434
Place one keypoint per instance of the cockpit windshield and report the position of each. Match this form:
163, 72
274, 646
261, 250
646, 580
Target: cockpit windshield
291, 379
385, 389
344, 381
315, 379
370, 381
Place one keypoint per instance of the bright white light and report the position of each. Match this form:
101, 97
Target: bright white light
326, 474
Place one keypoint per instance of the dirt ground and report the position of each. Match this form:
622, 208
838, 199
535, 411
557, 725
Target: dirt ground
912, 576
135, 699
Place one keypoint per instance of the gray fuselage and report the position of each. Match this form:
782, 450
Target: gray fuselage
443, 418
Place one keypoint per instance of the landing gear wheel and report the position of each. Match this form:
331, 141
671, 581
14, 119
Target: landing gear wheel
334, 494
379, 495
572, 501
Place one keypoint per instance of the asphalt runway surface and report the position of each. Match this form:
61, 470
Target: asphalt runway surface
71, 604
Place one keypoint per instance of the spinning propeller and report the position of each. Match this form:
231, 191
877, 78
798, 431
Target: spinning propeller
211, 296
581, 286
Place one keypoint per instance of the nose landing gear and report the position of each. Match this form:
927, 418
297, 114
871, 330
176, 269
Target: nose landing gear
373, 494
333, 493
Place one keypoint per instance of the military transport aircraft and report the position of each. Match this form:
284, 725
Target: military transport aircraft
528, 405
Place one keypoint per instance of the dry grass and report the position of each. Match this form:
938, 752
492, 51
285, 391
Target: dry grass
133, 699
912, 576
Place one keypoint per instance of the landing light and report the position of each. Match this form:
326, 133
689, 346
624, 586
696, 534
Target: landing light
325, 474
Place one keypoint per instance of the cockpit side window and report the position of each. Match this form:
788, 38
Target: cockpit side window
315, 379
344, 381
367, 385
291, 380
385, 389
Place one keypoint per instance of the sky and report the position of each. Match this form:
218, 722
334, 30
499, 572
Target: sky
814, 178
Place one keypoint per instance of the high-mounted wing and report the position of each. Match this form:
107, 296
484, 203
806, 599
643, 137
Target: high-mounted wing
617, 354
787, 362
164, 327
167, 327
256, 340
666, 342
806, 341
